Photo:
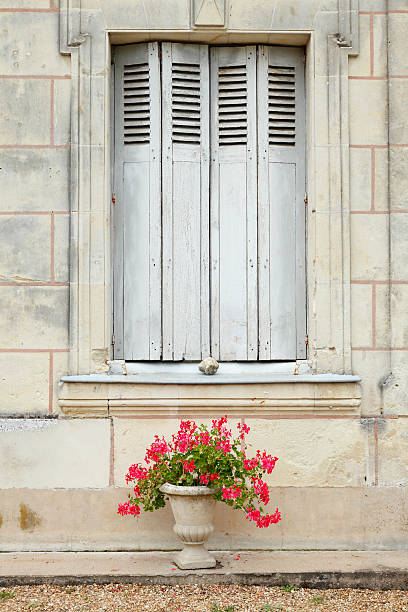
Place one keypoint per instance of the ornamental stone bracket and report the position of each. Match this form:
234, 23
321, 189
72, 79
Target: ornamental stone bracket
331, 36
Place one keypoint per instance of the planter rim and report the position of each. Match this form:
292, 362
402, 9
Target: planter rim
172, 489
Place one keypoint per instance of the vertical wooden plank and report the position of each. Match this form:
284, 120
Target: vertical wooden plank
155, 331
137, 202
234, 204
282, 188
185, 201
214, 210
263, 206
252, 209
286, 181
205, 201
167, 204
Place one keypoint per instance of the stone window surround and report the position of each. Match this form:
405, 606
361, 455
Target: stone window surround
90, 269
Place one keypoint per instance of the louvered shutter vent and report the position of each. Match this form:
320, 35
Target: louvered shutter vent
186, 104
282, 105
136, 106
232, 105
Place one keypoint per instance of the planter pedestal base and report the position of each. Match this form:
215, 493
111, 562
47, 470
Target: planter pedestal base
194, 556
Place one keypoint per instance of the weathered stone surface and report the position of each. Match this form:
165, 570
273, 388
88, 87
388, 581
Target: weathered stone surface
381, 179
209, 366
61, 248
45, 454
30, 44
398, 111
19, 125
319, 453
399, 316
313, 519
399, 178
34, 317
393, 452
34, 180
62, 111
359, 65
399, 248
361, 315
369, 247
398, 25
382, 316
17, 262
360, 179
396, 385
373, 367
368, 123
24, 382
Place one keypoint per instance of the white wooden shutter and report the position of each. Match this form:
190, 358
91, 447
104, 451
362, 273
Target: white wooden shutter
137, 210
185, 121
234, 318
281, 214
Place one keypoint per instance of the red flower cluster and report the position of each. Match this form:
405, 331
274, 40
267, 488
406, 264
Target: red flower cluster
261, 489
206, 478
265, 520
231, 492
128, 508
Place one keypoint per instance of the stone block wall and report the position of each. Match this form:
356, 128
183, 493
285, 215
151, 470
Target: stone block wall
341, 479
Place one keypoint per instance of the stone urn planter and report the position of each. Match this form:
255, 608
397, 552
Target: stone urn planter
193, 511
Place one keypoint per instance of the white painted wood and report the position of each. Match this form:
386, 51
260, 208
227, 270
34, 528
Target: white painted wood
137, 187
185, 83
234, 327
281, 222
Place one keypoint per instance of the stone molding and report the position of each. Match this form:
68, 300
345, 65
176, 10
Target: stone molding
160, 400
84, 34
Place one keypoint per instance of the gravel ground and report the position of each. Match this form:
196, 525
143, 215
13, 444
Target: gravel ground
209, 598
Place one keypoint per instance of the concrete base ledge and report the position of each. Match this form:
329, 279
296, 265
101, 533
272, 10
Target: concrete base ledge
317, 569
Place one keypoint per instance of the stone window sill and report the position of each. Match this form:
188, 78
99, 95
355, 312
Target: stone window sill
243, 392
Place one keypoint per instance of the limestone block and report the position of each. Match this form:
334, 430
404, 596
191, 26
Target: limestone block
382, 316
42, 454
62, 110
372, 5
312, 452
173, 14
373, 367
30, 45
398, 101
321, 201
25, 4
359, 65
26, 247
380, 45
34, 179
279, 16
360, 179
369, 247
20, 101
393, 452
34, 317
368, 112
59, 368
61, 248
361, 319
24, 382
398, 178
313, 519
398, 5
396, 387
381, 201
399, 316
397, 33
399, 246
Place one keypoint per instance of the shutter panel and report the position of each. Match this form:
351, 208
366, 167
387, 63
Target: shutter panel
281, 214
234, 320
185, 121
137, 212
